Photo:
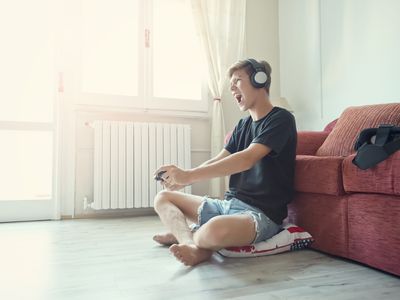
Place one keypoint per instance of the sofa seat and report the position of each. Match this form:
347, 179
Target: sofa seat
384, 178
319, 174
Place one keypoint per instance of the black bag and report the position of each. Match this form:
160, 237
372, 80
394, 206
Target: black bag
375, 145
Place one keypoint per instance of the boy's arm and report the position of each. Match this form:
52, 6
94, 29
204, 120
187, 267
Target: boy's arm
226, 165
174, 187
224, 153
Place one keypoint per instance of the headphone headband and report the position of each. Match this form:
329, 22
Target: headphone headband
255, 65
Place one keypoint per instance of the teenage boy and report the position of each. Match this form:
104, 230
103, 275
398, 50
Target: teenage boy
260, 159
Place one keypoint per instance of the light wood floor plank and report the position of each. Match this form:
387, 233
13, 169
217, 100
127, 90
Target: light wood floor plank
117, 259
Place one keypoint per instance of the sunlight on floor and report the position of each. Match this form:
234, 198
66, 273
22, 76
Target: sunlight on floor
24, 260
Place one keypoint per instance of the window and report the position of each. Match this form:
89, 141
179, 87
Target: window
110, 40
142, 54
27, 97
26, 158
27, 62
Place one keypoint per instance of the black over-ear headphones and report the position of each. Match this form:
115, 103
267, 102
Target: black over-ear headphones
258, 77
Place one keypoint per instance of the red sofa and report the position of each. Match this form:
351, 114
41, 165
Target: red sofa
350, 212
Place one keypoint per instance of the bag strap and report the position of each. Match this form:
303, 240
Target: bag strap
392, 147
382, 134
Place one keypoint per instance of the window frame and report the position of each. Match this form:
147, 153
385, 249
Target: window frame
145, 100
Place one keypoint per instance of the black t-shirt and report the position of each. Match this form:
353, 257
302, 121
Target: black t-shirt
268, 185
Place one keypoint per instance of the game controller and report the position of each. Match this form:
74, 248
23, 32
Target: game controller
159, 176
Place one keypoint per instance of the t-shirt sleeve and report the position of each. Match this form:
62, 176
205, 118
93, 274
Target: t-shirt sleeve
232, 144
276, 134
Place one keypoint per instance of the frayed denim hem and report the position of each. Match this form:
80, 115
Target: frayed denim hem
256, 223
194, 227
200, 211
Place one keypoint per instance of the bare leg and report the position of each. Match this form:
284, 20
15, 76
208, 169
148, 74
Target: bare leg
220, 232
173, 209
190, 254
166, 239
226, 231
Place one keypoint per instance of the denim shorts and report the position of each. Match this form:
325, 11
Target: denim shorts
210, 208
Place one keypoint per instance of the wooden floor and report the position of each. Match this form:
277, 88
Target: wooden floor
116, 259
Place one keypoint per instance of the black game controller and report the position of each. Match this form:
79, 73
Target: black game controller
159, 176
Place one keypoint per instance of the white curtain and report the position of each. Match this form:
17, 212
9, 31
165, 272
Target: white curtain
221, 25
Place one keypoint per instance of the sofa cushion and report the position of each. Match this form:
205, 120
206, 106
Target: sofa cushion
308, 142
323, 175
384, 178
329, 127
341, 140
290, 238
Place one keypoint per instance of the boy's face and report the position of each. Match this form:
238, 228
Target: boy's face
242, 90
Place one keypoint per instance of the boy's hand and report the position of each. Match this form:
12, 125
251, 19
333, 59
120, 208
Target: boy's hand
173, 176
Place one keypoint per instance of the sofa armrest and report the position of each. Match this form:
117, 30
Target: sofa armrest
319, 174
383, 178
308, 142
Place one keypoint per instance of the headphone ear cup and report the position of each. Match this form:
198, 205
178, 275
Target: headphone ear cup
252, 80
261, 78
258, 79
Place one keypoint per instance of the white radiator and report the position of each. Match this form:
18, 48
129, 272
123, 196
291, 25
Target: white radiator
126, 154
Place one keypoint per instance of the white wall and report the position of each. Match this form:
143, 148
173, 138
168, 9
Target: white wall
360, 42
300, 68
338, 53
262, 43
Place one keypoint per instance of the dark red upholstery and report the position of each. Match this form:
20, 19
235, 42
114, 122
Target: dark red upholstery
384, 178
330, 126
308, 142
350, 212
227, 137
325, 218
319, 174
374, 234
341, 140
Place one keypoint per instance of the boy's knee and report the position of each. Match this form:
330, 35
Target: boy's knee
161, 198
213, 235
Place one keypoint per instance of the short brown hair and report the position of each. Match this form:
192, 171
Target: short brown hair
246, 65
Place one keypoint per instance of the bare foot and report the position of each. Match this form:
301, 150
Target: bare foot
189, 254
166, 239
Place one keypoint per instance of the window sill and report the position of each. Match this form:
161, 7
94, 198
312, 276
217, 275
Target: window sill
136, 110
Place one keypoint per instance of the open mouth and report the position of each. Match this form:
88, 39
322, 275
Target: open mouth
238, 98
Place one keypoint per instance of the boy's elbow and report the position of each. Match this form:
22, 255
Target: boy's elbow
248, 163
253, 154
